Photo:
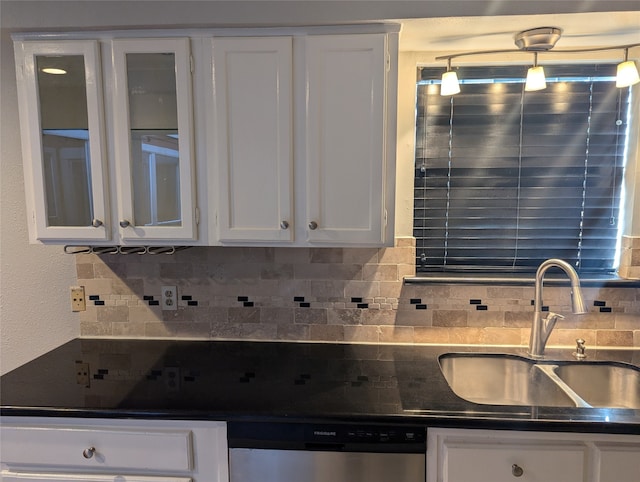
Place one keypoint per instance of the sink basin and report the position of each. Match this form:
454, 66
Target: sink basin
603, 384
503, 379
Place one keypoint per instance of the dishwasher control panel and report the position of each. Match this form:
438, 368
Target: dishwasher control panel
328, 437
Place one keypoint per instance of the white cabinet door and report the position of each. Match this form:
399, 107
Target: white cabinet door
253, 112
153, 132
8, 476
101, 450
345, 138
62, 123
512, 461
618, 462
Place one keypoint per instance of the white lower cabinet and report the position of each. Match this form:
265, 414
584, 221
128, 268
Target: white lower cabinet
100, 450
462, 455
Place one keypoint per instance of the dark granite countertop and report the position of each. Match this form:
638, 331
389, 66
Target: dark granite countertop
278, 381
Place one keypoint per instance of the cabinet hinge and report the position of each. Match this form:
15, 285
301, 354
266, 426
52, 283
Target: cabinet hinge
197, 216
385, 218
191, 63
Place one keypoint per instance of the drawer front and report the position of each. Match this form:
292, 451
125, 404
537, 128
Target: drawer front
470, 462
86, 448
8, 476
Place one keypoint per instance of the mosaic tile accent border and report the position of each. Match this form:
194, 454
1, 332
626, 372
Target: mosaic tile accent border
330, 294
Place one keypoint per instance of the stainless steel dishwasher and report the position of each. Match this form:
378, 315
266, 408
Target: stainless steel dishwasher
316, 452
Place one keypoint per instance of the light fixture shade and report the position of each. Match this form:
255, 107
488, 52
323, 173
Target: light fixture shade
450, 85
627, 74
535, 79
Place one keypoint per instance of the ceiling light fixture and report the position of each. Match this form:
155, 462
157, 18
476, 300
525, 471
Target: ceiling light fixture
54, 71
536, 40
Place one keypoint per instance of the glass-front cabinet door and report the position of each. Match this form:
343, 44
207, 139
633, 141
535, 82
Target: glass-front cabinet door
61, 114
153, 139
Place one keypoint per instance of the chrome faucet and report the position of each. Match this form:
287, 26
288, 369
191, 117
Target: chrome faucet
541, 327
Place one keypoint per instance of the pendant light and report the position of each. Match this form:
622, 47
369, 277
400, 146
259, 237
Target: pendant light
627, 72
535, 76
449, 85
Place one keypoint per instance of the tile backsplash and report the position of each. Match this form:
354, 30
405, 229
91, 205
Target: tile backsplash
329, 294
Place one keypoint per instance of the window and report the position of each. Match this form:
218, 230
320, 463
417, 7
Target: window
505, 179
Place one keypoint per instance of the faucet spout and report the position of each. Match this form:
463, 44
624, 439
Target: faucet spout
542, 327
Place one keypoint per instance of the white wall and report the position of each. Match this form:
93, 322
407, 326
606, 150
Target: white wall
34, 306
34, 280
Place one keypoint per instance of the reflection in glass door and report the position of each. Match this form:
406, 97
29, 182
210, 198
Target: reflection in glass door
66, 162
154, 138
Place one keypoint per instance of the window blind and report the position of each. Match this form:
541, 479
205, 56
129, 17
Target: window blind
505, 179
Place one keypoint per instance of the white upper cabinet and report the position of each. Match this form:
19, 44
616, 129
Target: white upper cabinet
61, 117
304, 144
345, 139
292, 133
253, 141
153, 133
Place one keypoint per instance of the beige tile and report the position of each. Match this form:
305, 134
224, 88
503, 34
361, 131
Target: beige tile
450, 318
113, 313
259, 331
178, 329
501, 336
244, 315
326, 332
567, 338
614, 338
360, 255
276, 316
310, 316
276, 271
378, 317
100, 328
361, 333
485, 318
433, 335
396, 334
143, 313
627, 322
408, 241
361, 289
84, 270
293, 332
413, 317
380, 272
400, 255
325, 255
311, 271
128, 329
466, 336
347, 316
225, 330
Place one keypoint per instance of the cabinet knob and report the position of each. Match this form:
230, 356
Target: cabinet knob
88, 452
284, 225
516, 470
96, 223
124, 223
313, 225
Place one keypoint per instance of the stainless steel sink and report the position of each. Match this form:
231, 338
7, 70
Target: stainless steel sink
503, 379
608, 385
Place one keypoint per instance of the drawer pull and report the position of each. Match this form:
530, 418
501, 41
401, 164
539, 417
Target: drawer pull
88, 452
516, 470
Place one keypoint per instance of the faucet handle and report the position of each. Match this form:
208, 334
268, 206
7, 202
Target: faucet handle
580, 348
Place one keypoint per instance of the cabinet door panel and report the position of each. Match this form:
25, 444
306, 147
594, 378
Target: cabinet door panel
618, 462
473, 462
8, 476
61, 115
345, 138
253, 86
153, 133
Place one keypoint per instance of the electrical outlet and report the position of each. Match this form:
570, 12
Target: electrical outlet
169, 298
172, 378
82, 374
78, 302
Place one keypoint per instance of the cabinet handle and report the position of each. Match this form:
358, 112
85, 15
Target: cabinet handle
516, 470
125, 224
96, 223
313, 225
284, 225
88, 452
